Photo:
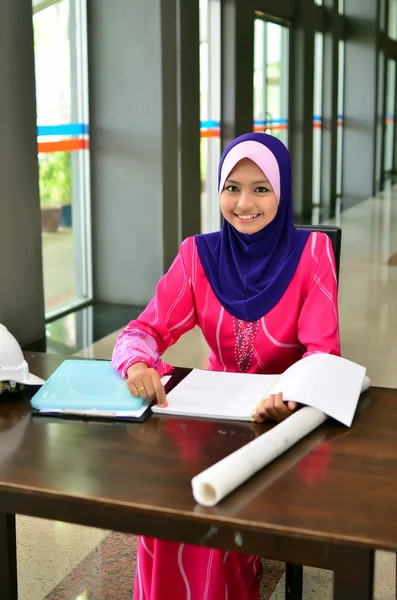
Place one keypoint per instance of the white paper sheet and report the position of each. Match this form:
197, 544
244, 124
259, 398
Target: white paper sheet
330, 383
217, 395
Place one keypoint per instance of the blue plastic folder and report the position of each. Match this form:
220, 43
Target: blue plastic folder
90, 389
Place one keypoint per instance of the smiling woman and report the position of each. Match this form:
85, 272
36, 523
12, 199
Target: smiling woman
264, 295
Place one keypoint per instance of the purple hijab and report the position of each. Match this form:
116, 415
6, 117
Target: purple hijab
249, 273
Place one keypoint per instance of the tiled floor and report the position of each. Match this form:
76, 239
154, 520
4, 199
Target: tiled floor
48, 551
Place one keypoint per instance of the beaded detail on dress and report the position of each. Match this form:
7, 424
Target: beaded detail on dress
245, 332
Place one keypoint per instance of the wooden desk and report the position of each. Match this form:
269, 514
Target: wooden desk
329, 502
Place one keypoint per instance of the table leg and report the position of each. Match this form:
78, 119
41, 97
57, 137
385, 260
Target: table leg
293, 582
8, 558
354, 574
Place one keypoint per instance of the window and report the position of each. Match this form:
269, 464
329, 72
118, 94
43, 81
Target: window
271, 64
63, 151
341, 92
392, 20
210, 112
389, 117
317, 121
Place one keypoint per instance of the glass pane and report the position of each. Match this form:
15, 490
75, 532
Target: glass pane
259, 75
271, 48
317, 117
210, 112
389, 117
62, 120
341, 81
392, 20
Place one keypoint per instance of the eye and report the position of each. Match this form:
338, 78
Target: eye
231, 188
261, 189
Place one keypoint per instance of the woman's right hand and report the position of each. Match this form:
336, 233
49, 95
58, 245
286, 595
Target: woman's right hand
146, 383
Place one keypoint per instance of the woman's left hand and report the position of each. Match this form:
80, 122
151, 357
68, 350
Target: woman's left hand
274, 409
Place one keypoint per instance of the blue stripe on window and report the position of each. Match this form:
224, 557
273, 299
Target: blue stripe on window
73, 129
270, 121
209, 124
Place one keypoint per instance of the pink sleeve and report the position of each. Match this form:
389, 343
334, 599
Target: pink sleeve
170, 313
318, 324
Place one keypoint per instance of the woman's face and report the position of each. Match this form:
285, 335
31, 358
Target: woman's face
248, 200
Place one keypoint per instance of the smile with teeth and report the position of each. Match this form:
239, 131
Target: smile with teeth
247, 217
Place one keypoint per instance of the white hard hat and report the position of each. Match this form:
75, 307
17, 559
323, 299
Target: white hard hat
13, 366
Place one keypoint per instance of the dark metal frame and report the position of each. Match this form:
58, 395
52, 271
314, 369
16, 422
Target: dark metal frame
389, 47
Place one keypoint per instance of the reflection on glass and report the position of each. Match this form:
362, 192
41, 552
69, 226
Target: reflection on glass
392, 19
71, 333
210, 112
389, 117
341, 6
317, 117
271, 47
62, 119
339, 150
14, 420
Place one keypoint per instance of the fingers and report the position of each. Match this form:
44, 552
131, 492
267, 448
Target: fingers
155, 389
146, 383
277, 409
132, 388
149, 389
273, 408
142, 389
267, 409
261, 413
160, 395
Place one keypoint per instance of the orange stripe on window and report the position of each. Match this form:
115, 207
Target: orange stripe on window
63, 145
262, 128
210, 133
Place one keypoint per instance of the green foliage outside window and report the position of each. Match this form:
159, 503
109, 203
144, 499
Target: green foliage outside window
55, 179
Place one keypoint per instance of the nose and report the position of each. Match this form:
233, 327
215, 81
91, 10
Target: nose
245, 201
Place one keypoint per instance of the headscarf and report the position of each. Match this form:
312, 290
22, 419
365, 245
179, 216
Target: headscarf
249, 273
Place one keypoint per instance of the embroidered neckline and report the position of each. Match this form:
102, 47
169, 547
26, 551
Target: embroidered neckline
245, 332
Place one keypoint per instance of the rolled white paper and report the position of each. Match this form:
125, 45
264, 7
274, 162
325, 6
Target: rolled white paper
216, 482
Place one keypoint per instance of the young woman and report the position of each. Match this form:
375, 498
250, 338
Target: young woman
264, 295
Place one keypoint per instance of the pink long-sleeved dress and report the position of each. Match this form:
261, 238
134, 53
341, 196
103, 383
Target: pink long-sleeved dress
305, 321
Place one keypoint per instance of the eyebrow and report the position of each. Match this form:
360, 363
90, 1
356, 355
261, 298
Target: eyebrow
253, 182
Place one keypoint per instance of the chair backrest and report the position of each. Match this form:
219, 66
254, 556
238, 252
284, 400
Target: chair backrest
335, 235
